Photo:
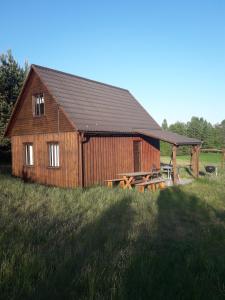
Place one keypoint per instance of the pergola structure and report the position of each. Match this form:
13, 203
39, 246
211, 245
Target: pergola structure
177, 140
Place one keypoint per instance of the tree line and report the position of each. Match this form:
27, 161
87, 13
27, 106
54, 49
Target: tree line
12, 76
212, 136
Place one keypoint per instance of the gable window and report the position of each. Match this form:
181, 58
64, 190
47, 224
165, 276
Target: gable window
39, 104
53, 150
29, 154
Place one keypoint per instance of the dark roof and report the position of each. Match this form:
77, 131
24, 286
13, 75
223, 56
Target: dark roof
170, 137
95, 106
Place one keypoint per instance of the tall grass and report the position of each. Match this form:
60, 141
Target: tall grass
112, 244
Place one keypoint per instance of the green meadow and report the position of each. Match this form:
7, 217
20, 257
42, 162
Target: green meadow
104, 243
205, 158
183, 162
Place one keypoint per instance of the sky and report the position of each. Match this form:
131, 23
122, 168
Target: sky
169, 54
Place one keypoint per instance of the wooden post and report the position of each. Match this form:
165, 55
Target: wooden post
223, 158
174, 161
192, 158
198, 150
195, 160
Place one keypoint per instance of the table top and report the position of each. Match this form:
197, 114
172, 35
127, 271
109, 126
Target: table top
167, 167
134, 174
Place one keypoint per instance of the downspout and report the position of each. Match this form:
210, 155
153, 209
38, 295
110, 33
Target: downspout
81, 176
82, 140
58, 117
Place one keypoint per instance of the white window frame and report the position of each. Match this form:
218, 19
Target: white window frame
54, 154
38, 100
29, 154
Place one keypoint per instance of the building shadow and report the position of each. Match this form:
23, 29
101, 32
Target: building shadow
5, 169
70, 263
117, 255
184, 257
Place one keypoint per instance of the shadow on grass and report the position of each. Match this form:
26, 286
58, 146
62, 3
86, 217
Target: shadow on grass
185, 257
5, 169
118, 255
202, 173
95, 257
63, 259
189, 172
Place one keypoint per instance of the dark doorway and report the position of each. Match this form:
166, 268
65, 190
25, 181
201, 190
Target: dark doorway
137, 156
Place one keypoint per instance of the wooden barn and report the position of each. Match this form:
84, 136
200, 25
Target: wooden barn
70, 131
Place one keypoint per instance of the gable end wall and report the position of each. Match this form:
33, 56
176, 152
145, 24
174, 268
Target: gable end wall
24, 122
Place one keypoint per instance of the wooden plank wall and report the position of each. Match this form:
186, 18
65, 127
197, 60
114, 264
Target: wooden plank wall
25, 123
105, 157
65, 176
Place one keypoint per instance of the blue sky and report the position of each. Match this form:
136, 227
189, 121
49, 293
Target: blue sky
169, 54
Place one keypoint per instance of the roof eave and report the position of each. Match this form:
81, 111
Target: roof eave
94, 132
193, 142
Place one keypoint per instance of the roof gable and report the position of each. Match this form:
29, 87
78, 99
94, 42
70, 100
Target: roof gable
22, 120
95, 106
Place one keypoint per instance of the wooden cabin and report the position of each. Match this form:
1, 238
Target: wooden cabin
70, 131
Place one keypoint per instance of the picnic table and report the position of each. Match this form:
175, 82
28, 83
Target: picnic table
130, 177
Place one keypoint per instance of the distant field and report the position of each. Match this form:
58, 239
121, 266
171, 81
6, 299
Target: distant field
205, 158
112, 244
184, 160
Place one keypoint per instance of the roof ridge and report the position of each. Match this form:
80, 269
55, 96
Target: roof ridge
80, 77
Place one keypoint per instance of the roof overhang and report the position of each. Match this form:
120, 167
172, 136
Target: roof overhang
166, 136
169, 137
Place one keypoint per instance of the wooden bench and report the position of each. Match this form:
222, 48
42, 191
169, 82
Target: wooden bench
137, 181
115, 182
152, 185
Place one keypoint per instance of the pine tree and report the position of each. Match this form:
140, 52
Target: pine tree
5, 112
164, 125
221, 134
165, 147
11, 80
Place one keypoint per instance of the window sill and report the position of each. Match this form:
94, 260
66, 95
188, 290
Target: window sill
54, 168
38, 117
28, 166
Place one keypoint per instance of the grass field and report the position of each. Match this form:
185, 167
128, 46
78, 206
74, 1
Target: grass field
112, 244
184, 160
205, 158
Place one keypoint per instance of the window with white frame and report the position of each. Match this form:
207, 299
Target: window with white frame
53, 149
39, 104
29, 154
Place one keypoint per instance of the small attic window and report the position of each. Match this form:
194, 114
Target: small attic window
38, 104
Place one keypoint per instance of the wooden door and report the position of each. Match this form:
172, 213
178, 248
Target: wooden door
137, 155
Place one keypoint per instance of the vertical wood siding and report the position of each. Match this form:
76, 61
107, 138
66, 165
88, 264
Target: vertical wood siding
24, 122
64, 176
105, 157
